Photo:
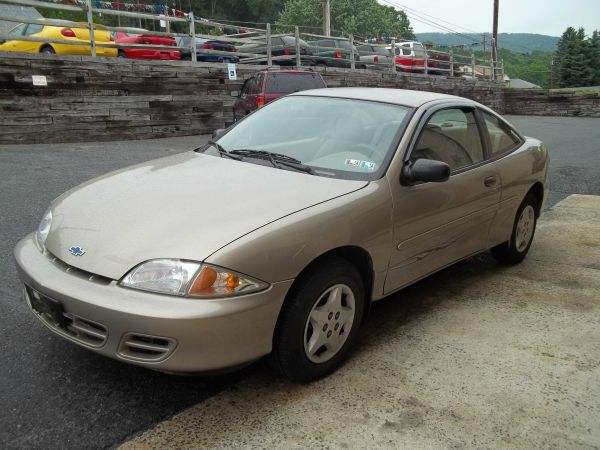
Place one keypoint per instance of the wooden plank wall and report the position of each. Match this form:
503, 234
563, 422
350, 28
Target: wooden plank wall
103, 99
531, 102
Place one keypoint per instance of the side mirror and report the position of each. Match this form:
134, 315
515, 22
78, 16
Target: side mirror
424, 170
218, 133
235, 93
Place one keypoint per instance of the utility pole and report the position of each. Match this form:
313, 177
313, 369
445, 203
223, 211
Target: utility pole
484, 42
327, 17
495, 39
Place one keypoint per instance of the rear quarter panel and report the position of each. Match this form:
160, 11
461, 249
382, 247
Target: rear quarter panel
519, 171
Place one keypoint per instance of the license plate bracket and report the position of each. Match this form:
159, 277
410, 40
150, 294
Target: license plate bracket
47, 306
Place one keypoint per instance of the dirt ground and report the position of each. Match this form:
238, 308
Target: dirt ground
478, 355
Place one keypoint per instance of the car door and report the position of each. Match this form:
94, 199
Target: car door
240, 104
14, 45
32, 30
247, 102
436, 224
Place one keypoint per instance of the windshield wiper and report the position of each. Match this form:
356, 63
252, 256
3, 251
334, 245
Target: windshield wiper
222, 151
276, 159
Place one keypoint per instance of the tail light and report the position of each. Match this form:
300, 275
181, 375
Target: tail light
260, 101
286, 51
338, 54
207, 46
67, 32
376, 59
233, 49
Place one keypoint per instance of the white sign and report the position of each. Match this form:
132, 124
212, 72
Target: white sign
231, 71
163, 23
39, 80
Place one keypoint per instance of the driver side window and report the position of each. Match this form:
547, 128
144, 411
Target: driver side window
451, 136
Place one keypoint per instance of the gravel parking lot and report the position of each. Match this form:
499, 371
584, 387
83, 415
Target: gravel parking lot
477, 356
474, 356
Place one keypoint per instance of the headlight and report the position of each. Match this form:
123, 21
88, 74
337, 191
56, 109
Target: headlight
44, 228
186, 278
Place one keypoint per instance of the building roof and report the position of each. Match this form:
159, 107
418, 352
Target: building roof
16, 11
517, 83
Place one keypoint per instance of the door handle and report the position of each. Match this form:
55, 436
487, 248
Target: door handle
490, 181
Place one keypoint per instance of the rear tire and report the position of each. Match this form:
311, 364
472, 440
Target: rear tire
122, 54
47, 50
514, 250
319, 322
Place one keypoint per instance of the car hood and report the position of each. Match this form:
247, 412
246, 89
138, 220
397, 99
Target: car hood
185, 206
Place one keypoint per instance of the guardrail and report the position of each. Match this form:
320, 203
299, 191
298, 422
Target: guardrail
254, 45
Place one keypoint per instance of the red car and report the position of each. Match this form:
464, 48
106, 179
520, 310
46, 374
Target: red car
121, 37
410, 56
268, 85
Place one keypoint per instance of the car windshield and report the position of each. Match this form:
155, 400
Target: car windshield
336, 137
286, 83
382, 51
291, 40
345, 44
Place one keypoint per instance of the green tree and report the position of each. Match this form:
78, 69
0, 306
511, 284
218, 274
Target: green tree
594, 55
363, 18
573, 63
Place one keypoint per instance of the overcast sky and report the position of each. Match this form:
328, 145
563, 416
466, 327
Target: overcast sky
550, 17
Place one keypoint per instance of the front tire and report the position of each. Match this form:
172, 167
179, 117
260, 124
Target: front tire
514, 250
319, 322
47, 50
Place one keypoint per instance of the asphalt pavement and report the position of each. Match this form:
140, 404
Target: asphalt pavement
58, 395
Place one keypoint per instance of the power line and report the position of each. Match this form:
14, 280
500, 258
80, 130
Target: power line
436, 18
419, 18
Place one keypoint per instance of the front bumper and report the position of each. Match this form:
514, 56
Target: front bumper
172, 334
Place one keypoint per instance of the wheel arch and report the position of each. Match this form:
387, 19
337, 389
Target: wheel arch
358, 257
537, 190
46, 45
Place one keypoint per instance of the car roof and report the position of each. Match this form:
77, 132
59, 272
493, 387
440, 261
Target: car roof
291, 71
403, 97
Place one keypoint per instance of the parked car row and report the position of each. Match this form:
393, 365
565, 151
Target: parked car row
80, 37
410, 56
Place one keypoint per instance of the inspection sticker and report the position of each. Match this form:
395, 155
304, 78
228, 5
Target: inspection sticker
366, 165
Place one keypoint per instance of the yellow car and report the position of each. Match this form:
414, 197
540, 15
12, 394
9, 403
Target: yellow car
68, 33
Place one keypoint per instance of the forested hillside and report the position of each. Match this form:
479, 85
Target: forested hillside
517, 42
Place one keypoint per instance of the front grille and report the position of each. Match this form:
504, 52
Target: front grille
142, 347
79, 273
53, 314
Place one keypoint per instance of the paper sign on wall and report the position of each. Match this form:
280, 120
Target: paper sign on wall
231, 71
39, 80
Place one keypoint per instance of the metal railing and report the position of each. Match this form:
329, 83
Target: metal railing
255, 45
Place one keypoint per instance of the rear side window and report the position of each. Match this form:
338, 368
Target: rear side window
34, 28
345, 44
288, 83
502, 137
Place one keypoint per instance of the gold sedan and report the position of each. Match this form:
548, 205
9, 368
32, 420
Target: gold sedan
70, 32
